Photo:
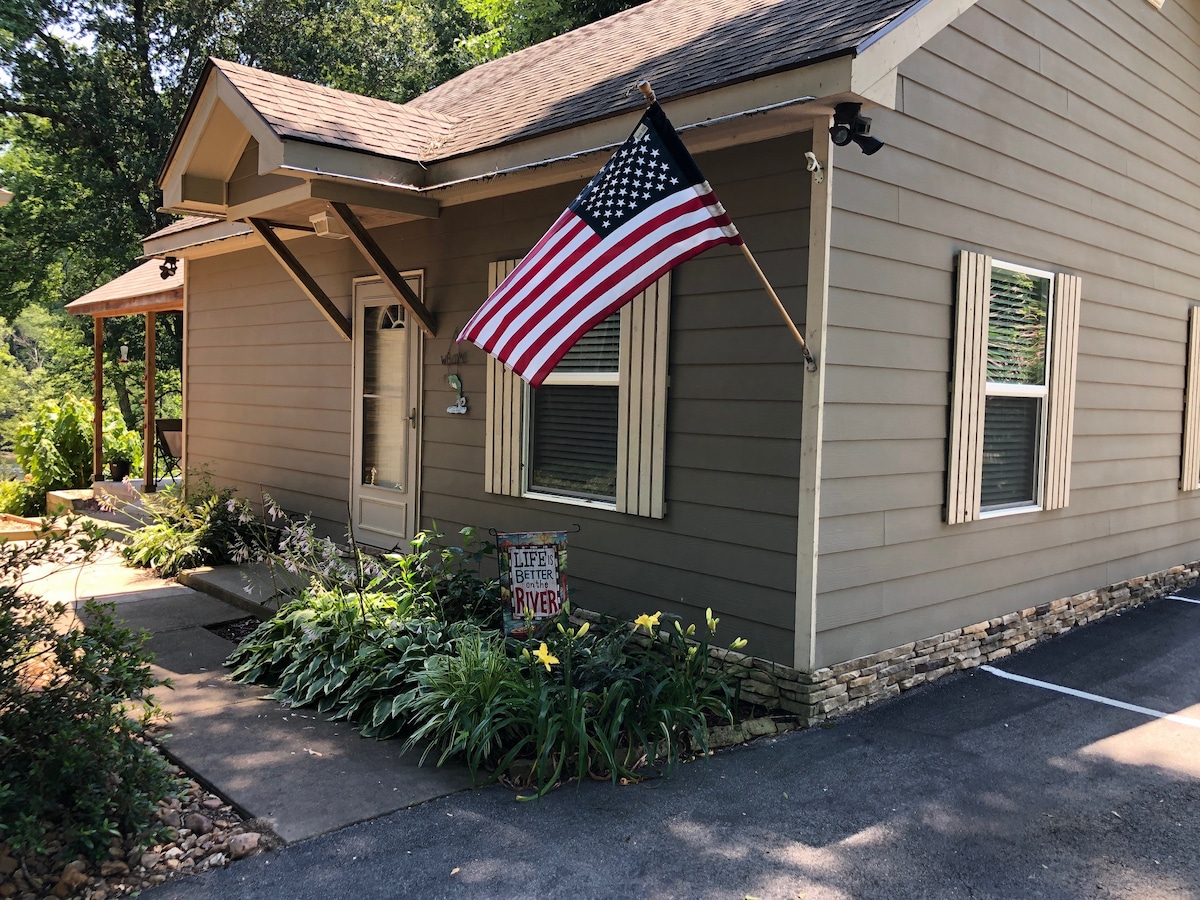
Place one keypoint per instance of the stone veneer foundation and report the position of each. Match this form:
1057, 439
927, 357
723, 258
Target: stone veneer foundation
851, 685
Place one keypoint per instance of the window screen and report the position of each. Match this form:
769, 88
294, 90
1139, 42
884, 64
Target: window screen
574, 427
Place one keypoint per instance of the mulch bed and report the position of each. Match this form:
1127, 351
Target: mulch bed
236, 629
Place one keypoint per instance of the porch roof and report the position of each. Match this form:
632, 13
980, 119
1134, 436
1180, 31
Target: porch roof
138, 291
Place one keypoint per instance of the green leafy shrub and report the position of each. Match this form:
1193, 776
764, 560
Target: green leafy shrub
74, 706
354, 657
204, 528
408, 644
599, 702
443, 580
54, 446
121, 443
21, 498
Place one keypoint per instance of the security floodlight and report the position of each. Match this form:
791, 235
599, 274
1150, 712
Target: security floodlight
849, 125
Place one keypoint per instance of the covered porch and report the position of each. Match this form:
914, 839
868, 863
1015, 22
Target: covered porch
152, 288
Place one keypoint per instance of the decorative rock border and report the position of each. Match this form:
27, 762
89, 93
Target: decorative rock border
851, 685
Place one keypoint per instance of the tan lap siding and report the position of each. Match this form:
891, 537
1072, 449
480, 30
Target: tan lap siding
269, 379
1050, 136
728, 539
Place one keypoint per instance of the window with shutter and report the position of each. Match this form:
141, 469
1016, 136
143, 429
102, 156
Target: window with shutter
1013, 392
594, 432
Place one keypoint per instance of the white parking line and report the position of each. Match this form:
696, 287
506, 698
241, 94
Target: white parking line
1096, 698
1184, 599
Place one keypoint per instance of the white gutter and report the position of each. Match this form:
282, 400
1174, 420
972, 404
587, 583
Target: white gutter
539, 164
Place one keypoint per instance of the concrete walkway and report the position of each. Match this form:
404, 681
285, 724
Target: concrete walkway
974, 787
304, 775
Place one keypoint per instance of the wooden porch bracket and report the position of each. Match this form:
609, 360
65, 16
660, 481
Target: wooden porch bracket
300, 275
383, 267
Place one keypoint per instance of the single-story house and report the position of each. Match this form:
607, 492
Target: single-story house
1000, 440
5, 197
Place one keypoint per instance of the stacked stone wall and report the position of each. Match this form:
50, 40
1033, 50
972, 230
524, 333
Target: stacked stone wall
851, 685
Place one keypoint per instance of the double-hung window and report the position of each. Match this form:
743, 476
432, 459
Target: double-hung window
574, 420
1013, 389
594, 433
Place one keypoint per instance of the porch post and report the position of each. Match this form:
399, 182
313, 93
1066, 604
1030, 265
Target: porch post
812, 425
98, 400
149, 484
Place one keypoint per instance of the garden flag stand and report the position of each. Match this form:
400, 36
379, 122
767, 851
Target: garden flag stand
645, 212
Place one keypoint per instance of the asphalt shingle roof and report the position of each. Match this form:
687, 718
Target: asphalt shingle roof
681, 46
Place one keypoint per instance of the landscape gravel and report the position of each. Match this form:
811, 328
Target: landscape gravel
200, 832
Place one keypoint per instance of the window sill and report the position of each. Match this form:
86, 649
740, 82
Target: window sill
1008, 511
610, 505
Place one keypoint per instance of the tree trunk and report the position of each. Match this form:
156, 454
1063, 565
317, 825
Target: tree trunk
123, 401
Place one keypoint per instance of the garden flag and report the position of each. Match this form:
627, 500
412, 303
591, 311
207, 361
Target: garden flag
645, 212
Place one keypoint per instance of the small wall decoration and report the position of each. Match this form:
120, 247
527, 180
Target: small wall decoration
532, 575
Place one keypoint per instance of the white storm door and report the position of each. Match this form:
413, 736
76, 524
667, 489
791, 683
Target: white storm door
387, 416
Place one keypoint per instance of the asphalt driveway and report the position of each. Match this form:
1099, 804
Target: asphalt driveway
976, 786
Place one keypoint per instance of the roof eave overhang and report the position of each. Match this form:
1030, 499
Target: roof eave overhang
159, 301
732, 115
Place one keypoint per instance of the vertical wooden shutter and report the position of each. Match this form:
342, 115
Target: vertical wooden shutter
642, 406
965, 462
1189, 477
1060, 416
642, 414
507, 397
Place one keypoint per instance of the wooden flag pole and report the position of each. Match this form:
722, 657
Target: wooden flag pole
809, 362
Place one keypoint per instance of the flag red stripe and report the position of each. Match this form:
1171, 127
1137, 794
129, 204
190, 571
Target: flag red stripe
563, 229
562, 347
510, 305
559, 333
572, 272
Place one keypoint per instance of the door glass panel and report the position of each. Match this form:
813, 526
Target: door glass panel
385, 402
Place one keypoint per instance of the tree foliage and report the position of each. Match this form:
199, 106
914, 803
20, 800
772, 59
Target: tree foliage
91, 92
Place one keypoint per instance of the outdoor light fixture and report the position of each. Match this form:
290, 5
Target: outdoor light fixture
169, 267
849, 125
327, 226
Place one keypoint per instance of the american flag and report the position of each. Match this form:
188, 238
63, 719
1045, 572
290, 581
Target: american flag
645, 212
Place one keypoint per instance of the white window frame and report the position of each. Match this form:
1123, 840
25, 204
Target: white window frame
1039, 391
583, 379
969, 390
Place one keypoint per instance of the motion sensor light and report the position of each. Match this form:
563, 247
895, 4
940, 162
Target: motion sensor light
850, 126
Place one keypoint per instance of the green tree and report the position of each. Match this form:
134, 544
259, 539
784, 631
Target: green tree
506, 26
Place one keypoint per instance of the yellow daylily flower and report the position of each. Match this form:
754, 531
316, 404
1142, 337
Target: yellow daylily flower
650, 622
712, 622
738, 643
583, 629
543, 655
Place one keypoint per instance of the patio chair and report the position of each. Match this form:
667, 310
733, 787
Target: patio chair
169, 442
